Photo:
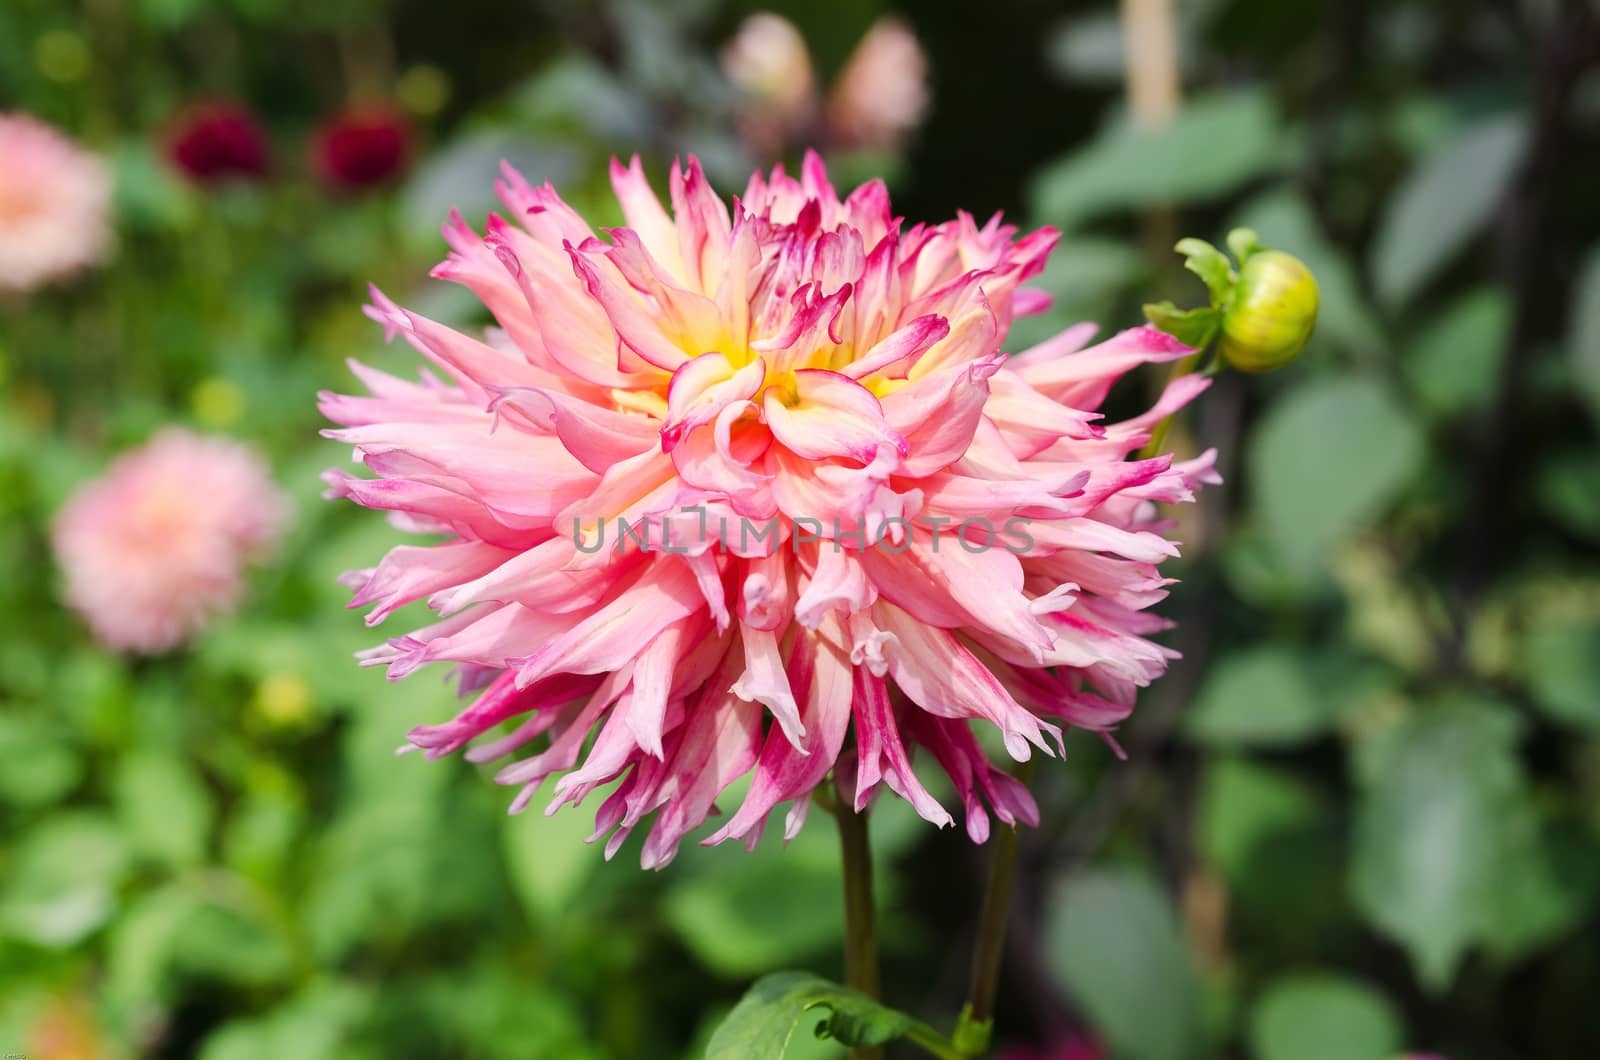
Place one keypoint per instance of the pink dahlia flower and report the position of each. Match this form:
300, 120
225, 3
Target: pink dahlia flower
755, 491
55, 199
155, 548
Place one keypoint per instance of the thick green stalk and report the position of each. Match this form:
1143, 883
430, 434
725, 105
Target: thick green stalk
860, 922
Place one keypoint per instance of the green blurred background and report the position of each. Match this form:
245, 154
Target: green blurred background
1360, 817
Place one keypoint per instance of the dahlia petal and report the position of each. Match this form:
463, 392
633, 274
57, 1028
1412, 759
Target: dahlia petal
646, 216
1081, 378
764, 681
819, 670
409, 573
837, 582
702, 388
904, 345
611, 636
939, 674
882, 755
832, 415
596, 436
703, 224
628, 314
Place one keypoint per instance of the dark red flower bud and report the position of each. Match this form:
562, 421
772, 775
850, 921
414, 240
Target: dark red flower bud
362, 147
217, 141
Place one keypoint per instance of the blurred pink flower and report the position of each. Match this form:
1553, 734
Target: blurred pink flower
55, 199
217, 141
362, 147
882, 93
155, 548
769, 67
803, 412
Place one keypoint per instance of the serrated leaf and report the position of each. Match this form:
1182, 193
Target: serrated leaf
1215, 144
1445, 201
1326, 461
1324, 1017
1113, 939
766, 1018
1442, 808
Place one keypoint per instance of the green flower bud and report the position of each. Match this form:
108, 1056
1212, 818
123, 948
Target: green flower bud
1271, 314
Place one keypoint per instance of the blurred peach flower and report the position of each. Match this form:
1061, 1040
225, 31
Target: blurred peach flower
55, 198
155, 548
878, 99
882, 93
768, 65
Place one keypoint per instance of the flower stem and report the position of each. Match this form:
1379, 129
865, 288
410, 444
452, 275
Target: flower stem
977, 1018
860, 925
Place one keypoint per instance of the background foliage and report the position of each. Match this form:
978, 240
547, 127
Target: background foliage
1361, 816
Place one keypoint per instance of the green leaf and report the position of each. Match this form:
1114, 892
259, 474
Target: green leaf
61, 884
319, 1024
1243, 807
745, 913
1563, 664
1442, 204
163, 806
1285, 221
1568, 488
1583, 340
1548, 887
1326, 461
766, 1018
1215, 144
1324, 1017
1261, 697
36, 767
1453, 365
550, 859
1113, 939
1192, 327
1442, 808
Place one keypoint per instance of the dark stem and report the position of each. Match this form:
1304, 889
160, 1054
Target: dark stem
860, 923
977, 1018
1570, 48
